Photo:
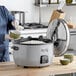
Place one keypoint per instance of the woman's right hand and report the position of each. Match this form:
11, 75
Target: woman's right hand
17, 26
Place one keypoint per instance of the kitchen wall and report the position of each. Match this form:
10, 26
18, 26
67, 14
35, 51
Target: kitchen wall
47, 11
32, 12
20, 5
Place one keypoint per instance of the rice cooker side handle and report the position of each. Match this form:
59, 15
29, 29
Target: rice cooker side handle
16, 48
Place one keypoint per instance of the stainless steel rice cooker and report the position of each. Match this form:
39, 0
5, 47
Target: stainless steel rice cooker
39, 52
33, 52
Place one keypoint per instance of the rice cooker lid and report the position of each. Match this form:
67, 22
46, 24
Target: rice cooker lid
32, 42
63, 43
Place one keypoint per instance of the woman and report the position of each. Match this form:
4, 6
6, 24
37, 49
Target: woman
5, 18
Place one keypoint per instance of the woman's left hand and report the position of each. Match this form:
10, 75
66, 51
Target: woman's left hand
8, 37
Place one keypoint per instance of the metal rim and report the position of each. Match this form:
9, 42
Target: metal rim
63, 44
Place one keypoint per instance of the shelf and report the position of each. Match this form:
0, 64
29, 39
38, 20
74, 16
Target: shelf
47, 5
44, 5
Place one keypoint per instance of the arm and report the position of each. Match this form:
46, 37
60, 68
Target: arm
9, 18
13, 21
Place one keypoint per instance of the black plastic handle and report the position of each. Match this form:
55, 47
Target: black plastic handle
16, 48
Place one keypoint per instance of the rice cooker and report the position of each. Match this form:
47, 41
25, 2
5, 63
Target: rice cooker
33, 52
39, 52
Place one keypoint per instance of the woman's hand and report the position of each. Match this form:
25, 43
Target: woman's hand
7, 36
17, 26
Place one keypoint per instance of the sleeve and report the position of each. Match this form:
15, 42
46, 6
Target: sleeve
2, 38
10, 17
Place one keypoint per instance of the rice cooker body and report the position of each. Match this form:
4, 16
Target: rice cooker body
33, 55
